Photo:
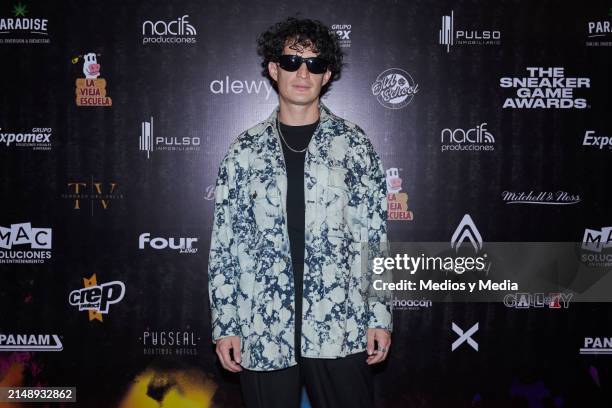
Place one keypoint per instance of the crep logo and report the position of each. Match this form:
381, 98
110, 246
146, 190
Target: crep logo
78, 195
466, 231
96, 299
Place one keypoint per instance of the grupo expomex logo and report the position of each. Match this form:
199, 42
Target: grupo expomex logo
394, 88
19, 235
35, 139
545, 88
178, 31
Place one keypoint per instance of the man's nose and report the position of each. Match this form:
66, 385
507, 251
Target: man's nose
303, 71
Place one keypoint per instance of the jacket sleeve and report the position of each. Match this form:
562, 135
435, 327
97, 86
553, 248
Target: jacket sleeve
379, 301
222, 260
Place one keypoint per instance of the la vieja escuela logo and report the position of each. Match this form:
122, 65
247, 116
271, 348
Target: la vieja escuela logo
91, 90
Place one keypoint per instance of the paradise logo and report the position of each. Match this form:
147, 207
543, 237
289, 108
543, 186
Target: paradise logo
91, 90
29, 30
96, 299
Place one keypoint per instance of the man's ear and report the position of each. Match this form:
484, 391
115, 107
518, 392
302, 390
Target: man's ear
273, 70
326, 77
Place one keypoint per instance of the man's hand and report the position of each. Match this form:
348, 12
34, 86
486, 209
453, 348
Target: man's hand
383, 338
224, 345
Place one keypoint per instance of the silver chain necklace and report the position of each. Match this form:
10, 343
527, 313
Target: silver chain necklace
287, 144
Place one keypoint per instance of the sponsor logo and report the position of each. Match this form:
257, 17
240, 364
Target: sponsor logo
183, 245
397, 202
475, 139
343, 31
38, 239
545, 88
97, 299
597, 244
464, 336
21, 29
225, 86
394, 88
449, 36
148, 142
209, 193
30, 342
91, 90
466, 230
597, 345
411, 304
599, 142
542, 198
99, 194
538, 300
169, 342
178, 31
35, 139
599, 32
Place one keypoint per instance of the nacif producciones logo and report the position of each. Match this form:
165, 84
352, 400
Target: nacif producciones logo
91, 90
177, 31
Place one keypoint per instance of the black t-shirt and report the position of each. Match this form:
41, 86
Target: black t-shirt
298, 138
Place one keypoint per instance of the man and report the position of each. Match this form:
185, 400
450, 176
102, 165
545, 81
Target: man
296, 195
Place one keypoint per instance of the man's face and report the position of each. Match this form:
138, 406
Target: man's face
300, 87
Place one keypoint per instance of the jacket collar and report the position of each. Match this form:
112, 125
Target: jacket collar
324, 115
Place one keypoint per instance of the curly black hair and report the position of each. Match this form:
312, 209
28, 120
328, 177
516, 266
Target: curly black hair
307, 33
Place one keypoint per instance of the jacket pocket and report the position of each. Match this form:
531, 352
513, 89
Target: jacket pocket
336, 201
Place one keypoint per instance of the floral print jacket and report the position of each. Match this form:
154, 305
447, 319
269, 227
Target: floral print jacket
250, 271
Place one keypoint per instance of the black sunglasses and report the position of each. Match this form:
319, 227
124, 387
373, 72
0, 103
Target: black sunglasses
291, 63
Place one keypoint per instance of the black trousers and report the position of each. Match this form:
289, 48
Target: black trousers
330, 383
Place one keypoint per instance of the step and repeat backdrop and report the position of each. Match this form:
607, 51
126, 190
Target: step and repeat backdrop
489, 117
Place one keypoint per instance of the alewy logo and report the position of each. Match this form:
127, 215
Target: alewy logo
597, 345
220, 87
590, 139
30, 342
38, 239
545, 88
37, 138
104, 193
543, 198
343, 31
174, 342
96, 299
600, 30
394, 88
448, 36
91, 90
466, 230
475, 139
177, 31
149, 143
538, 300
397, 203
22, 29
184, 245
464, 336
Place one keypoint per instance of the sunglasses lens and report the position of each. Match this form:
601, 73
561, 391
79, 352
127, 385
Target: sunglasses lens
292, 63
317, 65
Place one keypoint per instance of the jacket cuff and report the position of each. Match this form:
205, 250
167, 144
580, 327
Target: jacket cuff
224, 323
380, 316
